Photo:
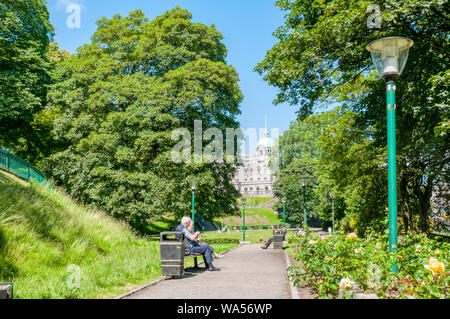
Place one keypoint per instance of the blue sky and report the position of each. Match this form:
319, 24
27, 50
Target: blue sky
247, 27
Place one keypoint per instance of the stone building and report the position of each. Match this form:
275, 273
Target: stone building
254, 177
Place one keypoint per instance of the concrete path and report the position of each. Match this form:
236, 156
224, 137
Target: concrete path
247, 272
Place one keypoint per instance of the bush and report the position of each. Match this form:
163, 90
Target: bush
327, 264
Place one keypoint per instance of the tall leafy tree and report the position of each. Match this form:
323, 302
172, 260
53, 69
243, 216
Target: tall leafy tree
321, 59
119, 99
298, 157
25, 34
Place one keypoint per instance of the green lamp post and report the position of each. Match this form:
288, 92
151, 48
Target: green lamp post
193, 183
332, 210
284, 211
304, 180
243, 218
389, 56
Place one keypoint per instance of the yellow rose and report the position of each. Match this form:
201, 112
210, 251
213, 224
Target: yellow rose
435, 266
351, 236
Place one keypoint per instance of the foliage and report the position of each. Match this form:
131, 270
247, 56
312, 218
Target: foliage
118, 101
299, 155
352, 168
25, 34
321, 60
328, 262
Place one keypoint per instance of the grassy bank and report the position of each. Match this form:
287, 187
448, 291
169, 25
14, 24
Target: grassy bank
52, 248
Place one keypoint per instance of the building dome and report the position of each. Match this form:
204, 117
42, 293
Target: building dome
266, 141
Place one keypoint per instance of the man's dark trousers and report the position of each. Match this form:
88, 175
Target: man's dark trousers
205, 251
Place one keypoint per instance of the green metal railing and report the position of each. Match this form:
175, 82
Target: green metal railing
21, 168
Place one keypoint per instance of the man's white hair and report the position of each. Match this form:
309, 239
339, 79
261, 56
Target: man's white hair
185, 220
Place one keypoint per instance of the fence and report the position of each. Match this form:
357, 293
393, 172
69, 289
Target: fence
21, 168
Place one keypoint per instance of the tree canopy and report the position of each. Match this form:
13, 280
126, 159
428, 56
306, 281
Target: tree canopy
119, 99
25, 34
321, 60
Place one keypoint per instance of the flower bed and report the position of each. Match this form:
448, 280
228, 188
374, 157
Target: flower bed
341, 265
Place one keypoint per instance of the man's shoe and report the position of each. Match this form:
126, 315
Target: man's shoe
212, 268
264, 247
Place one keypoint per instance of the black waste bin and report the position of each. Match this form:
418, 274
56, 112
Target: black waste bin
277, 239
6, 290
172, 253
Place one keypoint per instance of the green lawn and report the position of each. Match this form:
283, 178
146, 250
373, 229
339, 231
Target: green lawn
255, 201
255, 216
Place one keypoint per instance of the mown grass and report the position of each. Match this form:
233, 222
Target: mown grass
52, 248
255, 201
265, 214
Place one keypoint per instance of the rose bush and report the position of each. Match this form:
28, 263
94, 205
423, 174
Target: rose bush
329, 263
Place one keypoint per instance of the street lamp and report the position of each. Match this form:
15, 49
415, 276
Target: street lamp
284, 211
332, 208
243, 217
389, 56
193, 183
304, 180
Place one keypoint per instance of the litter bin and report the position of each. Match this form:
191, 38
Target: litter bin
6, 290
277, 239
172, 253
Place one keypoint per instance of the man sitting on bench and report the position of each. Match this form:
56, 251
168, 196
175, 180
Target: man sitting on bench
192, 245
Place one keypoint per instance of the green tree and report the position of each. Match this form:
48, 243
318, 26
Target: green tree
321, 59
25, 34
119, 99
352, 168
298, 157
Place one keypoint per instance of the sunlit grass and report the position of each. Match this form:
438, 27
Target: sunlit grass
43, 232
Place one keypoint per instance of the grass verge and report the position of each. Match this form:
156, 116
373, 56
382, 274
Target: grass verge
52, 248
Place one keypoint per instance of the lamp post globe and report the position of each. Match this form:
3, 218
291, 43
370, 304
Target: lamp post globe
389, 55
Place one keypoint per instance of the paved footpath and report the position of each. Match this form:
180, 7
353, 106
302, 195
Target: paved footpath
247, 272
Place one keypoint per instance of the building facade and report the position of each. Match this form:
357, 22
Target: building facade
254, 177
